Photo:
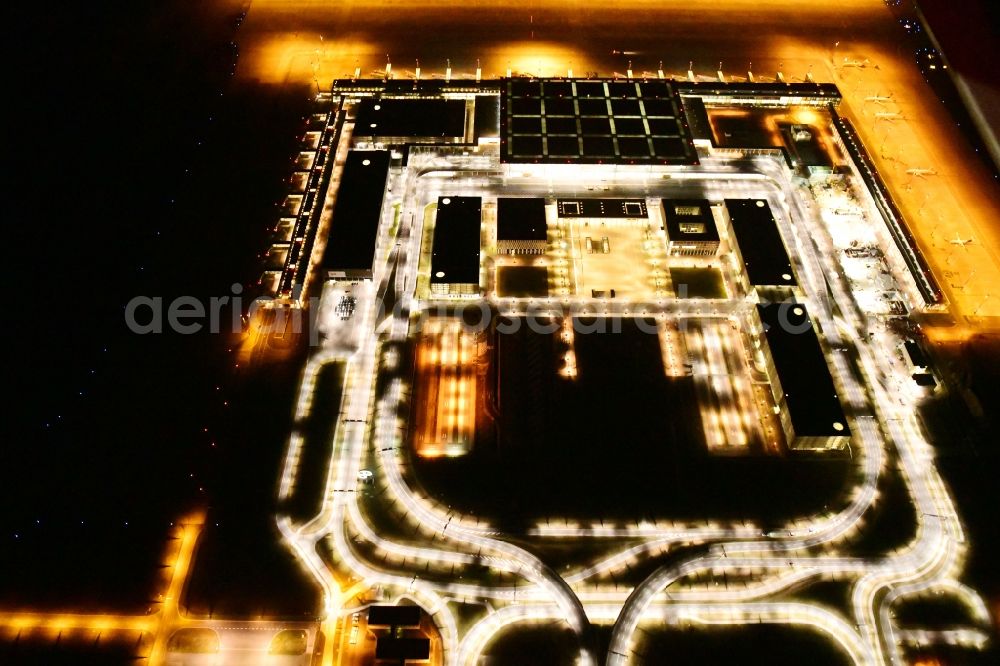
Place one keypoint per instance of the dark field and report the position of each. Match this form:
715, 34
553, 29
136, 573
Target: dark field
554, 644
96, 566
317, 430
241, 568
549, 644
70, 651
776, 645
174, 172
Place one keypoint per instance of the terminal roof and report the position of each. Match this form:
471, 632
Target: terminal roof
593, 121
455, 254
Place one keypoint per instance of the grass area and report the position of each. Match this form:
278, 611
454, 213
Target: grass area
384, 517
522, 281
395, 219
549, 644
569, 554
289, 642
834, 594
697, 282
775, 645
891, 523
466, 614
932, 612
318, 431
200, 640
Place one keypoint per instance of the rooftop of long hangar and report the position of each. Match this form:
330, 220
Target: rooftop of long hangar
760, 245
813, 404
357, 211
455, 253
410, 118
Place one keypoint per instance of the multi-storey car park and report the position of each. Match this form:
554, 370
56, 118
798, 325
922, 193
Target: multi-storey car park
557, 409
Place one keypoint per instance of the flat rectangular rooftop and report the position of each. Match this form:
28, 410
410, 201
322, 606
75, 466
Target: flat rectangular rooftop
401, 650
357, 212
915, 353
689, 220
596, 121
760, 245
394, 616
825, 93
521, 218
602, 208
801, 141
805, 379
486, 123
410, 118
455, 254
414, 87
697, 118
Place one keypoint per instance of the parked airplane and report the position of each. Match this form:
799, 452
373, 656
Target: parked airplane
879, 99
